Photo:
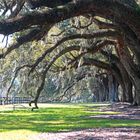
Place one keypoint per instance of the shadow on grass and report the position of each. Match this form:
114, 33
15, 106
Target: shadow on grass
59, 119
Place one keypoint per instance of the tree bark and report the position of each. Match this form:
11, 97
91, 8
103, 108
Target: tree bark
131, 68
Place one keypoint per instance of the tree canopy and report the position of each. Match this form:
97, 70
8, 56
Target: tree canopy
60, 35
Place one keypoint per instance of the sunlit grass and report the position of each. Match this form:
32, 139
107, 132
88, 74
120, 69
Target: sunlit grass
18, 135
57, 118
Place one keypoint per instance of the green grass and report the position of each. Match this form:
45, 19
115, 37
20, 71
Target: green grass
56, 118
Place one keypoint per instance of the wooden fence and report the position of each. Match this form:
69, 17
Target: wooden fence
15, 100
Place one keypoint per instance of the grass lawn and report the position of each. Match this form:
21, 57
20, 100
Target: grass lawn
56, 118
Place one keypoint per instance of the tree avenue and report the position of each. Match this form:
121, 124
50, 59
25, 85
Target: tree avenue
101, 33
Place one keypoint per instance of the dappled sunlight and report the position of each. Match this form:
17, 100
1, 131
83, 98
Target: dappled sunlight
57, 122
95, 112
17, 135
60, 118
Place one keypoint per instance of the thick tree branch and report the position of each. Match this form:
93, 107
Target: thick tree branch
106, 8
97, 63
95, 34
34, 34
48, 3
105, 25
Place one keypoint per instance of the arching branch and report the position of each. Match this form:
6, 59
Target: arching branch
105, 8
105, 25
97, 63
15, 75
93, 49
34, 34
95, 34
76, 80
48, 3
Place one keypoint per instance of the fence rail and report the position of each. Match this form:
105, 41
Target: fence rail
15, 100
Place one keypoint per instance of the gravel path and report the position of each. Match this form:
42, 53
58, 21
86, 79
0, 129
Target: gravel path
93, 134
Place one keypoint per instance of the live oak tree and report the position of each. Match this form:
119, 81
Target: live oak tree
118, 22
